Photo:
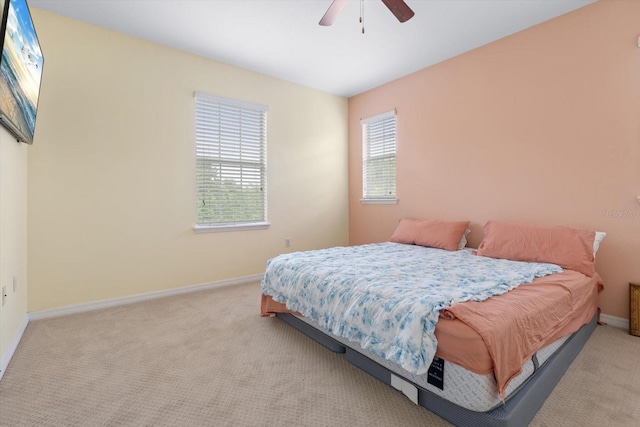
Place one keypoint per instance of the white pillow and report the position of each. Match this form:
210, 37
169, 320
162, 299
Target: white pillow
463, 240
596, 242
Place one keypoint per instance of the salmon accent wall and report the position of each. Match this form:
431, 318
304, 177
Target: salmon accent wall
541, 127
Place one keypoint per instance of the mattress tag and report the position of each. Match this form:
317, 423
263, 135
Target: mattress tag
405, 387
435, 375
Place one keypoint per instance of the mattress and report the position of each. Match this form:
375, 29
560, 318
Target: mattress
388, 296
460, 386
468, 346
525, 338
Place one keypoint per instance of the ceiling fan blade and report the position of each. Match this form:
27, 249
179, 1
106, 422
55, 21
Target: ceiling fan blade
400, 9
332, 13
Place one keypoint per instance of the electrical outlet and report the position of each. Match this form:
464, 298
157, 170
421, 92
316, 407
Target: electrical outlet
4, 295
15, 284
287, 242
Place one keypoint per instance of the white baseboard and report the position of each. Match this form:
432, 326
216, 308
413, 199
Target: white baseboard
6, 358
614, 321
114, 302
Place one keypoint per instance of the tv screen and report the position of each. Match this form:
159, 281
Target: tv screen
20, 71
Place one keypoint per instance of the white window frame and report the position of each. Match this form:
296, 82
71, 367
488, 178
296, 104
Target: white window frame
381, 132
222, 126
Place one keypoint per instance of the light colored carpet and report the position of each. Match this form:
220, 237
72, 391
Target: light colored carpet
208, 359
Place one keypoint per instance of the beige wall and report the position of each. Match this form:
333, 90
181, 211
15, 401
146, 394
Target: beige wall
13, 239
112, 171
540, 127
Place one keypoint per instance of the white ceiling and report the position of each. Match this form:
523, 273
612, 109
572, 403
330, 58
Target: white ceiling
282, 38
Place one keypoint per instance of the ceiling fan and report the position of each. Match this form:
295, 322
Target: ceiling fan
398, 7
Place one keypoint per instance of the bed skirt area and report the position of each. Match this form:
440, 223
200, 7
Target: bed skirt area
520, 406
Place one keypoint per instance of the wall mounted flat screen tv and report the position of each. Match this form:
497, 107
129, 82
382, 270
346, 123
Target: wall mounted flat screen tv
20, 70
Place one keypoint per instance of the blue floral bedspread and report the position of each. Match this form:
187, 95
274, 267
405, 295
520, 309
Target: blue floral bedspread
387, 296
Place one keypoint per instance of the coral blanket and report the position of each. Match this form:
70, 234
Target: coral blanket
533, 316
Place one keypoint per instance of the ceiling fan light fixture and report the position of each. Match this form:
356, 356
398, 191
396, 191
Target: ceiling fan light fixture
398, 7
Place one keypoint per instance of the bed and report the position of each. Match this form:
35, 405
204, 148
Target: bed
487, 347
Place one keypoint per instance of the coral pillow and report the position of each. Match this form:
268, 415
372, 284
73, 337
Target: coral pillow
567, 247
434, 234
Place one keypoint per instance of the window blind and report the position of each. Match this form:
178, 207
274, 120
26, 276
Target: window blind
231, 138
379, 156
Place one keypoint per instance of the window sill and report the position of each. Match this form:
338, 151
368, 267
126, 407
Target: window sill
231, 227
379, 201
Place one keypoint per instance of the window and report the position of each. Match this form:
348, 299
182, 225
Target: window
379, 158
231, 139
